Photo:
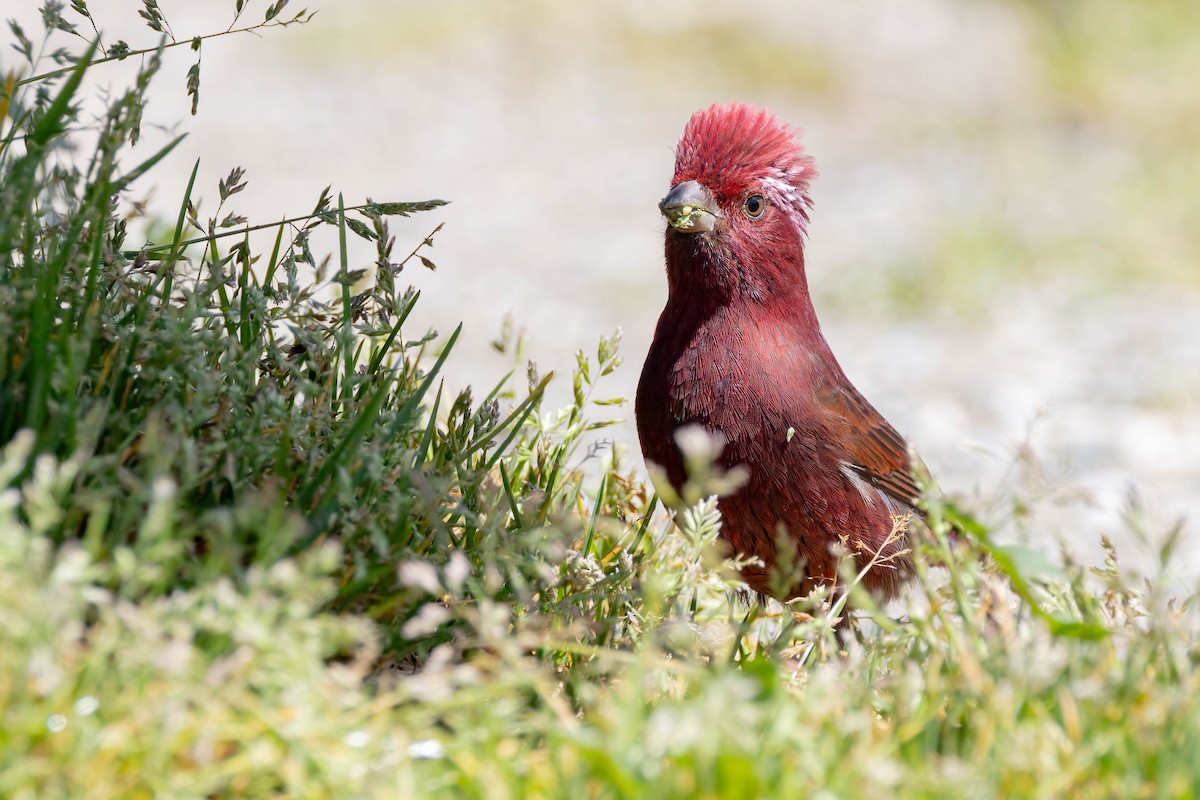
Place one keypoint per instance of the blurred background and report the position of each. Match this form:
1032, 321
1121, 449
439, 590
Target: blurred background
1003, 250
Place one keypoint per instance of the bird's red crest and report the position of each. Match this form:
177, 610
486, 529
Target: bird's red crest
730, 148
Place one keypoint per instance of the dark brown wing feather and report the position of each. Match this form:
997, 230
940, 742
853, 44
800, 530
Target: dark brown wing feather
875, 450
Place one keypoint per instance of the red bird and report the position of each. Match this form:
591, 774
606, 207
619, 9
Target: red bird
738, 350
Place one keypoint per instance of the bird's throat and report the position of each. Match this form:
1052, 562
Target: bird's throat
705, 274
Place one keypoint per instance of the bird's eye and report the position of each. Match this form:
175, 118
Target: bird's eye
754, 206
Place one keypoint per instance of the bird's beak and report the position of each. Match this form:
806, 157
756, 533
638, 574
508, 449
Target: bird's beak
690, 208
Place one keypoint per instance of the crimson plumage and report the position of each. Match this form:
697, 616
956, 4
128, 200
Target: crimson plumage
738, 350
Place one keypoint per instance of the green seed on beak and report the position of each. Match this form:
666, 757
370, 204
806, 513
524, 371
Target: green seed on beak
690, 208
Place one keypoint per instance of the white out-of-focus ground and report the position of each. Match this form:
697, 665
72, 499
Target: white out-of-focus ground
976, 243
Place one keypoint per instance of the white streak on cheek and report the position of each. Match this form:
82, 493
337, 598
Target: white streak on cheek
785, 196
779, 187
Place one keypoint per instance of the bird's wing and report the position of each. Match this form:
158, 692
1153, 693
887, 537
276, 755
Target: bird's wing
874, 450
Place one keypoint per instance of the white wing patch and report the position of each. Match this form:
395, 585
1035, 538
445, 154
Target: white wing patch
870, 494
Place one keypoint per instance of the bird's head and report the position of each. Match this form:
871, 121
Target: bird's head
739, 199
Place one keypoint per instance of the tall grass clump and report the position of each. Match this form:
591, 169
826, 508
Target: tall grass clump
279, 407
250, 545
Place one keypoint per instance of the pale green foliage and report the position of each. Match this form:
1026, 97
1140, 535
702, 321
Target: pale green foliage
217, 688
251, 690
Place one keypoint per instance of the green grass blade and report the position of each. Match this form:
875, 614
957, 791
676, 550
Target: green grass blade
168, 267
347, 337
409, 408
273, 262
513, 504
644, 526
362, 423
595, 515
430, 429
50, 125
141, 169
